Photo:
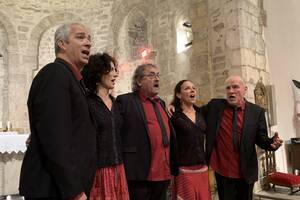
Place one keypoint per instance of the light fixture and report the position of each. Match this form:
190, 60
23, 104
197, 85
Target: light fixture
144, 53
147, 53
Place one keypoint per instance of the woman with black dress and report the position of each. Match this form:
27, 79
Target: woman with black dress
192, 182
99, 77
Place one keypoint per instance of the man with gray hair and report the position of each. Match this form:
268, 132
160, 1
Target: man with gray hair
148, 138
60, 160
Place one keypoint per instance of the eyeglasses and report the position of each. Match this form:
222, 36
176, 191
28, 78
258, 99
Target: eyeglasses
152, 75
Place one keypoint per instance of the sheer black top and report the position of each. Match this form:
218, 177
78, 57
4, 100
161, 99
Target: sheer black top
108, 124
190, 138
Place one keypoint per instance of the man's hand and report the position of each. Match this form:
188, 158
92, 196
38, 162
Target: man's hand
170, 109
80, 196
28, 140
277, 142
83, 197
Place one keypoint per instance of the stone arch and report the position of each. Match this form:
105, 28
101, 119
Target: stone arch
7, 59
11, 33
120, 19
38, 31
128, 12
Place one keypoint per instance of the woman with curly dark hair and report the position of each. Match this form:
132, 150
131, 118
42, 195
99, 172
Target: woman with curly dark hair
100, 77
192, 182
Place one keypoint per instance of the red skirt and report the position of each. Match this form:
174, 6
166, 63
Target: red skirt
110, 184
191, 184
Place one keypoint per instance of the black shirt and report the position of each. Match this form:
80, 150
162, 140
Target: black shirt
108, 125
190, 138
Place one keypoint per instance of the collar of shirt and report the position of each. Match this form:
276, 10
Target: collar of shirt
144, 98
74, 70
240, 106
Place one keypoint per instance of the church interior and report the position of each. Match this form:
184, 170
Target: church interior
202, 40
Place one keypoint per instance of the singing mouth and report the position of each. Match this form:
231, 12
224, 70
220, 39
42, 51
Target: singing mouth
86, 52
231, 97
192, 96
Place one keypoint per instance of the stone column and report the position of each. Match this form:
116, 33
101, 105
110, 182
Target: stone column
237, 44
17, 90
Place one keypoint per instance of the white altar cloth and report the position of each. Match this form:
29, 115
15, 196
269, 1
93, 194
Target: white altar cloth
12, 142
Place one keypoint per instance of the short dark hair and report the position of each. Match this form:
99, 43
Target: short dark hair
99, 64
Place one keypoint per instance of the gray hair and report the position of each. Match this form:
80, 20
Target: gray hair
236, 77
138, 75
61, 34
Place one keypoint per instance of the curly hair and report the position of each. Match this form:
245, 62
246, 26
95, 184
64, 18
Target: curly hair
99, 64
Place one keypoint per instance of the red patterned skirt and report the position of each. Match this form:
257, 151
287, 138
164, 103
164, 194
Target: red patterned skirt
191, 184
110, 184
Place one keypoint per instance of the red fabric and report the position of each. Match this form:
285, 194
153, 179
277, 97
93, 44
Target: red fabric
110, 184
224, 159
191, 186
284, 179
75, 71
160, 168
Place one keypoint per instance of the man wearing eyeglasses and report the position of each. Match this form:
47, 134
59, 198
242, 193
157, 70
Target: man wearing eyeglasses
147, 137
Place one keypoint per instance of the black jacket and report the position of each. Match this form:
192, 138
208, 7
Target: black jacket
254, 132
135, 139
60, 161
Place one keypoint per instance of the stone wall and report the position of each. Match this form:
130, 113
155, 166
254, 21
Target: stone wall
193, 63
237, 43
3, 74
227, 39
29, 27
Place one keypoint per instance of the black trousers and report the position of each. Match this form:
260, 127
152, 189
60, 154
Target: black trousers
233, 189
148, 190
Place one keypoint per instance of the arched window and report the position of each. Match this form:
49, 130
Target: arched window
184, 35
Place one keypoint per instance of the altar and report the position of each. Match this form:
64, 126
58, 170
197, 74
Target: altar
12, 148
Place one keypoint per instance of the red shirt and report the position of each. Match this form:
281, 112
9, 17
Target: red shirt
224, 159
160, 159
75, 71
